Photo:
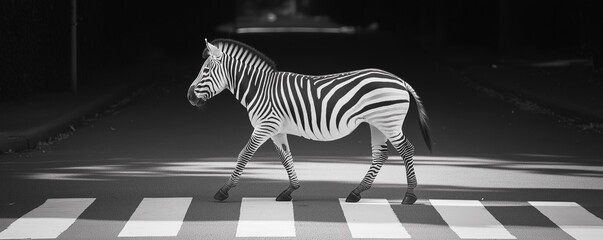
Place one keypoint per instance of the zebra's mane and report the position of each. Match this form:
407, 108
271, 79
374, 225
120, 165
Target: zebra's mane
229, 46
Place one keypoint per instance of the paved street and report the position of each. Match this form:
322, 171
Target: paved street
150, 167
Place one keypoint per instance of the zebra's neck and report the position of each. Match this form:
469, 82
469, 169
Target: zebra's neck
246, 82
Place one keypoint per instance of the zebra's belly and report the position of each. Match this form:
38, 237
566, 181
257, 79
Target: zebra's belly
320, 133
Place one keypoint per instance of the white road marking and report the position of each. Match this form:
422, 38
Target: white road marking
572, 218
157, 217
265, 217
372, 218
469, 219
48, 220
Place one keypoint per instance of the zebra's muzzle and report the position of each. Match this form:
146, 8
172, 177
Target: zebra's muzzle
193, 99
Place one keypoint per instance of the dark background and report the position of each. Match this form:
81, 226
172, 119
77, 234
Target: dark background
129, 132
117, 35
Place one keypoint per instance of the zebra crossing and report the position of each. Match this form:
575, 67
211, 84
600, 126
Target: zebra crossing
48, 220
372, 218
157, 217
265, 218
469, 219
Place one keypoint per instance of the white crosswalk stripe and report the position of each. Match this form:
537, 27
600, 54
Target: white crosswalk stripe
572, 218
372, 218
265, 217
49, 220
157, 217
469, 219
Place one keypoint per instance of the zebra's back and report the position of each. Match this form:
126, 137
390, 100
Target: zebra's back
329, 107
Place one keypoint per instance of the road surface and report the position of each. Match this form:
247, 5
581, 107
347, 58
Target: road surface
149, 168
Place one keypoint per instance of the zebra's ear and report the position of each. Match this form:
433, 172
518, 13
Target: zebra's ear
213, 51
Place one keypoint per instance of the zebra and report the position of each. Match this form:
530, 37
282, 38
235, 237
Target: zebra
320, 108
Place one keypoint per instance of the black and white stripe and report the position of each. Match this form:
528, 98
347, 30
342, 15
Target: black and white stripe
321, 108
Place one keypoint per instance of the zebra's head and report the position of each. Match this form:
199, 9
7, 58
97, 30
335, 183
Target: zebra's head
212, 78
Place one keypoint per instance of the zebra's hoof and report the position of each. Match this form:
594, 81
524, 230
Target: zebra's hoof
284, 196
409, 199
353, 197
221, 195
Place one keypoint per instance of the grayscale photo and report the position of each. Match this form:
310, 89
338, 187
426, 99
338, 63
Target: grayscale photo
301, 119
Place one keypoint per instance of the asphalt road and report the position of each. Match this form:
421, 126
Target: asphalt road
491, 160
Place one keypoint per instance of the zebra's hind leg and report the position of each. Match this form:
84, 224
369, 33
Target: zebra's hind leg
379, 153
407, 151
282, 147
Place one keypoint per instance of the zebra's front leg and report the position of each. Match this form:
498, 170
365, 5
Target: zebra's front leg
379, 153
257, 139
282, 147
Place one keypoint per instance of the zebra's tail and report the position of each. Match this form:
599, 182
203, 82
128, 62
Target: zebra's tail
423, 119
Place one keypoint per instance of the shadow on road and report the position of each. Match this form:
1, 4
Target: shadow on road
503, 184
